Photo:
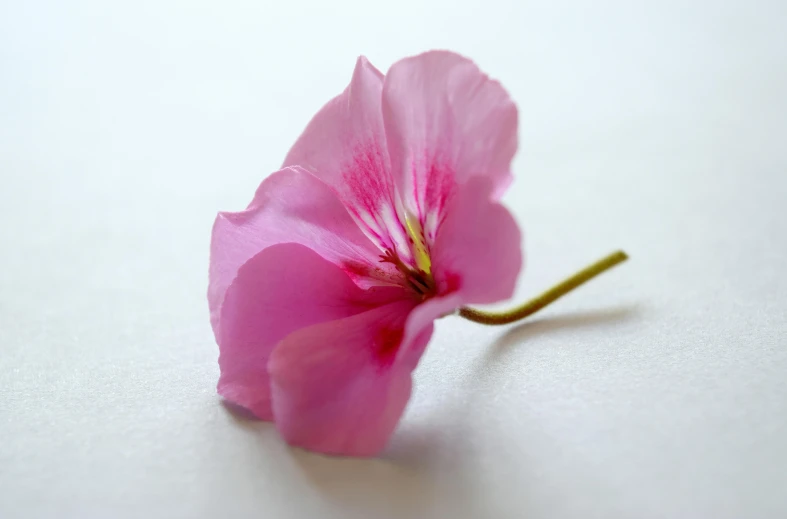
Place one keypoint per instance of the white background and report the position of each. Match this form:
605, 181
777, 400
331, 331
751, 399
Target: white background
659, 390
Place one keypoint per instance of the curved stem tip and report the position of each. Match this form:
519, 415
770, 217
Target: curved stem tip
539, 302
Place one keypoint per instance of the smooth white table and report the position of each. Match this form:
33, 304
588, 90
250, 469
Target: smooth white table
657, 391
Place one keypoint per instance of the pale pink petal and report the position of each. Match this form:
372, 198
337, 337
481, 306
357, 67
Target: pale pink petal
280, 290
290, 206
339, 387
477, 252
445, 121
345, 145
422, 317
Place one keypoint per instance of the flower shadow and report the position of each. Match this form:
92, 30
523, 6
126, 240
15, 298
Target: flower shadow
371, 485
239, 414
424, 462
420, 445
595, 318
392, 481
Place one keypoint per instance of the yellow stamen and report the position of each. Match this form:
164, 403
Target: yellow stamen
420, 250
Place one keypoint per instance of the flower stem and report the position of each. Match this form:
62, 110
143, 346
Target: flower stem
539, 302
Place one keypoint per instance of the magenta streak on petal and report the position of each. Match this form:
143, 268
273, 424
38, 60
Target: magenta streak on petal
386, 344
369, 194
363, 176
416, 191
438, 190
432, 189
439, 186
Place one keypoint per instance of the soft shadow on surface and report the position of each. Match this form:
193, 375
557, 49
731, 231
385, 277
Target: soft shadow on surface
369, 484
539, 326
239, 414
424, 461
420, 446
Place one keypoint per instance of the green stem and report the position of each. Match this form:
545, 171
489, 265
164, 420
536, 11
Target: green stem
539, 302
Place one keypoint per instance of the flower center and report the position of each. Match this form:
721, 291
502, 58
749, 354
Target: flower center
420, 281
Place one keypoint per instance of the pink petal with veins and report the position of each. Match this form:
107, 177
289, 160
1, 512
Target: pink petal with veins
292, 206
338, 387
477, 251
345, 145
445, 122
282, 289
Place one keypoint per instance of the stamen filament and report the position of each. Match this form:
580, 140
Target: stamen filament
417, 285
554, 293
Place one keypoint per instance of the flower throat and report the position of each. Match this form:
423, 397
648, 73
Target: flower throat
419, 280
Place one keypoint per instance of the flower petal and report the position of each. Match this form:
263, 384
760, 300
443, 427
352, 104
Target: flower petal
476, 259
339, 387
345, 145
292, 206
280, 290
477, 252
445, 121
422, 318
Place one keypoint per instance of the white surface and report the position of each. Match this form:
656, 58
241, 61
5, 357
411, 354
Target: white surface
660, 390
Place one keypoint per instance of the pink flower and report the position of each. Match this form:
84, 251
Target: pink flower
323, 292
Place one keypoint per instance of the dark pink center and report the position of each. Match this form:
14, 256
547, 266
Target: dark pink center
417, 280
